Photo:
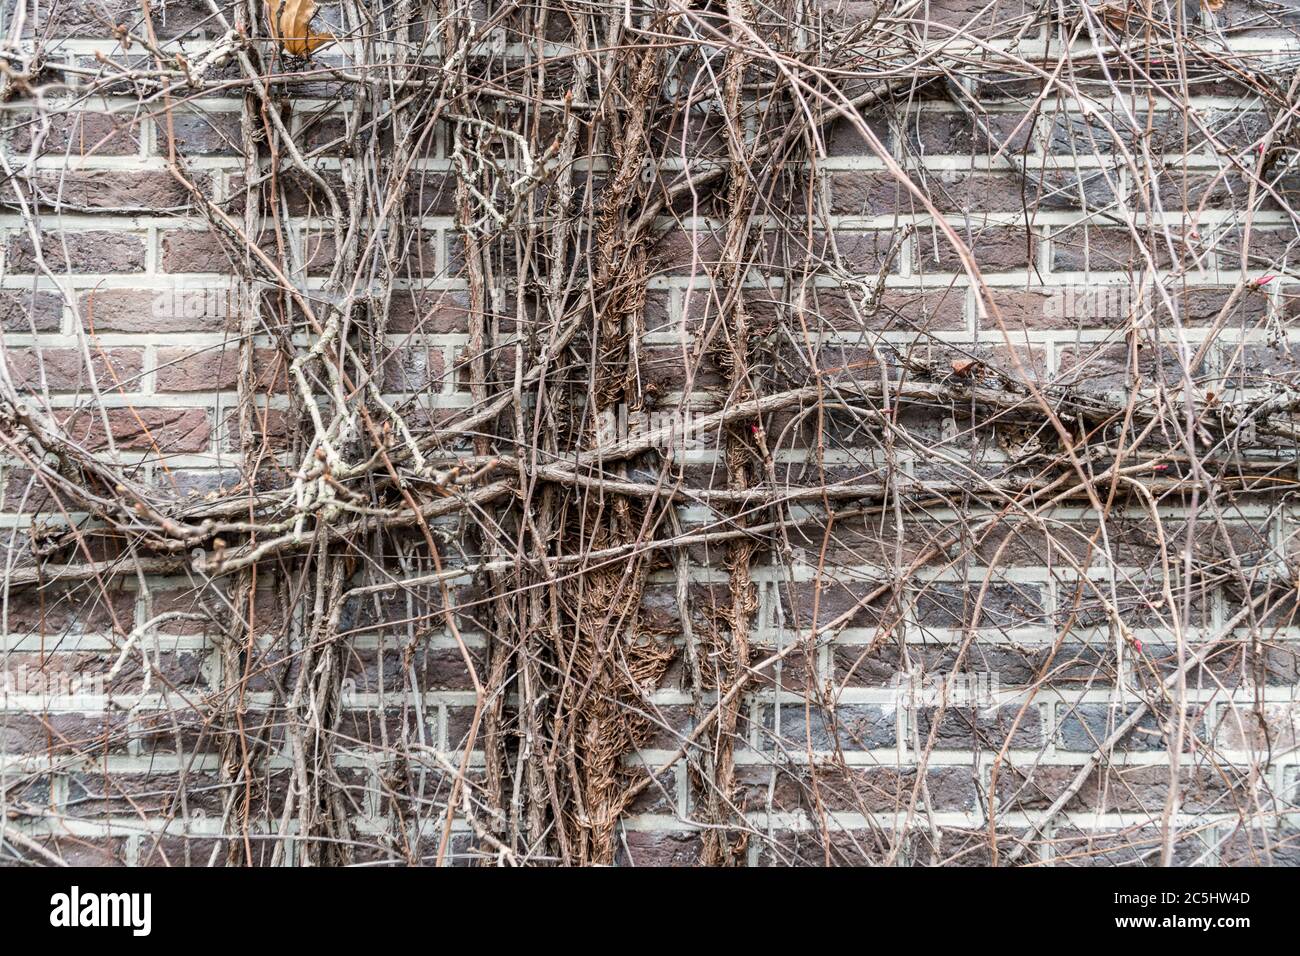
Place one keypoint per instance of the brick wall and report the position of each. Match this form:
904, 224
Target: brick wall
1107, 224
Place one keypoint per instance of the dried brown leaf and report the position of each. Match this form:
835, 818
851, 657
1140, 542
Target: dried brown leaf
292, 27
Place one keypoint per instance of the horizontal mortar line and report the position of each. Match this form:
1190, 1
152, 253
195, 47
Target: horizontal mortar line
202, 282
207, 828
1058, 695
959, 283
806, 571
142, 162
886, 699
199, 399
920, 820
983, 217
187, 460
202, 827
109, 645
195, 341
316, 226
1036, 161
1032, 46
1022, 759
1059, 105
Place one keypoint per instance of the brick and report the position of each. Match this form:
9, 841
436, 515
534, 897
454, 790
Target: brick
1083, 727
931, 133
27, 311
1071, 189
431, 194
414, 368
1118, 789
85, 133
682, 253
64, 734
963, 728
945, 605
1086, 249
971, 193
1180, 190
1072, 134
795, 848
205, 134
304, 196
158, 310
843, 139
1265, 728
865, 193
172, 18
87, 851
432, 668
500, 367
116, 190
1117, 366
183, 370
1141, 847
93, 795
1237, 131
163, 430
324, 133
421, 258
1260, 365
1047, 309
795, 672
366, 729
430, 312
65, 369
189, 250
995, 249
1274, 846
182, 730
659, 797
660, 848
854, 789
107, 251
962, 848
1137, 606
807, 603
853, 727
422, 607
981, 19
1261, 245
935, 310
271, 428
863, 253
186, 850
854, 666
69, 610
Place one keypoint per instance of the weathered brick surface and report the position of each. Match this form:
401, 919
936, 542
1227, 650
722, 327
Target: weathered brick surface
207, 134
81, 133
93, 251
114, 191
158, 310
143, 429
849, 727
25, 311
65, 369
863, 289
